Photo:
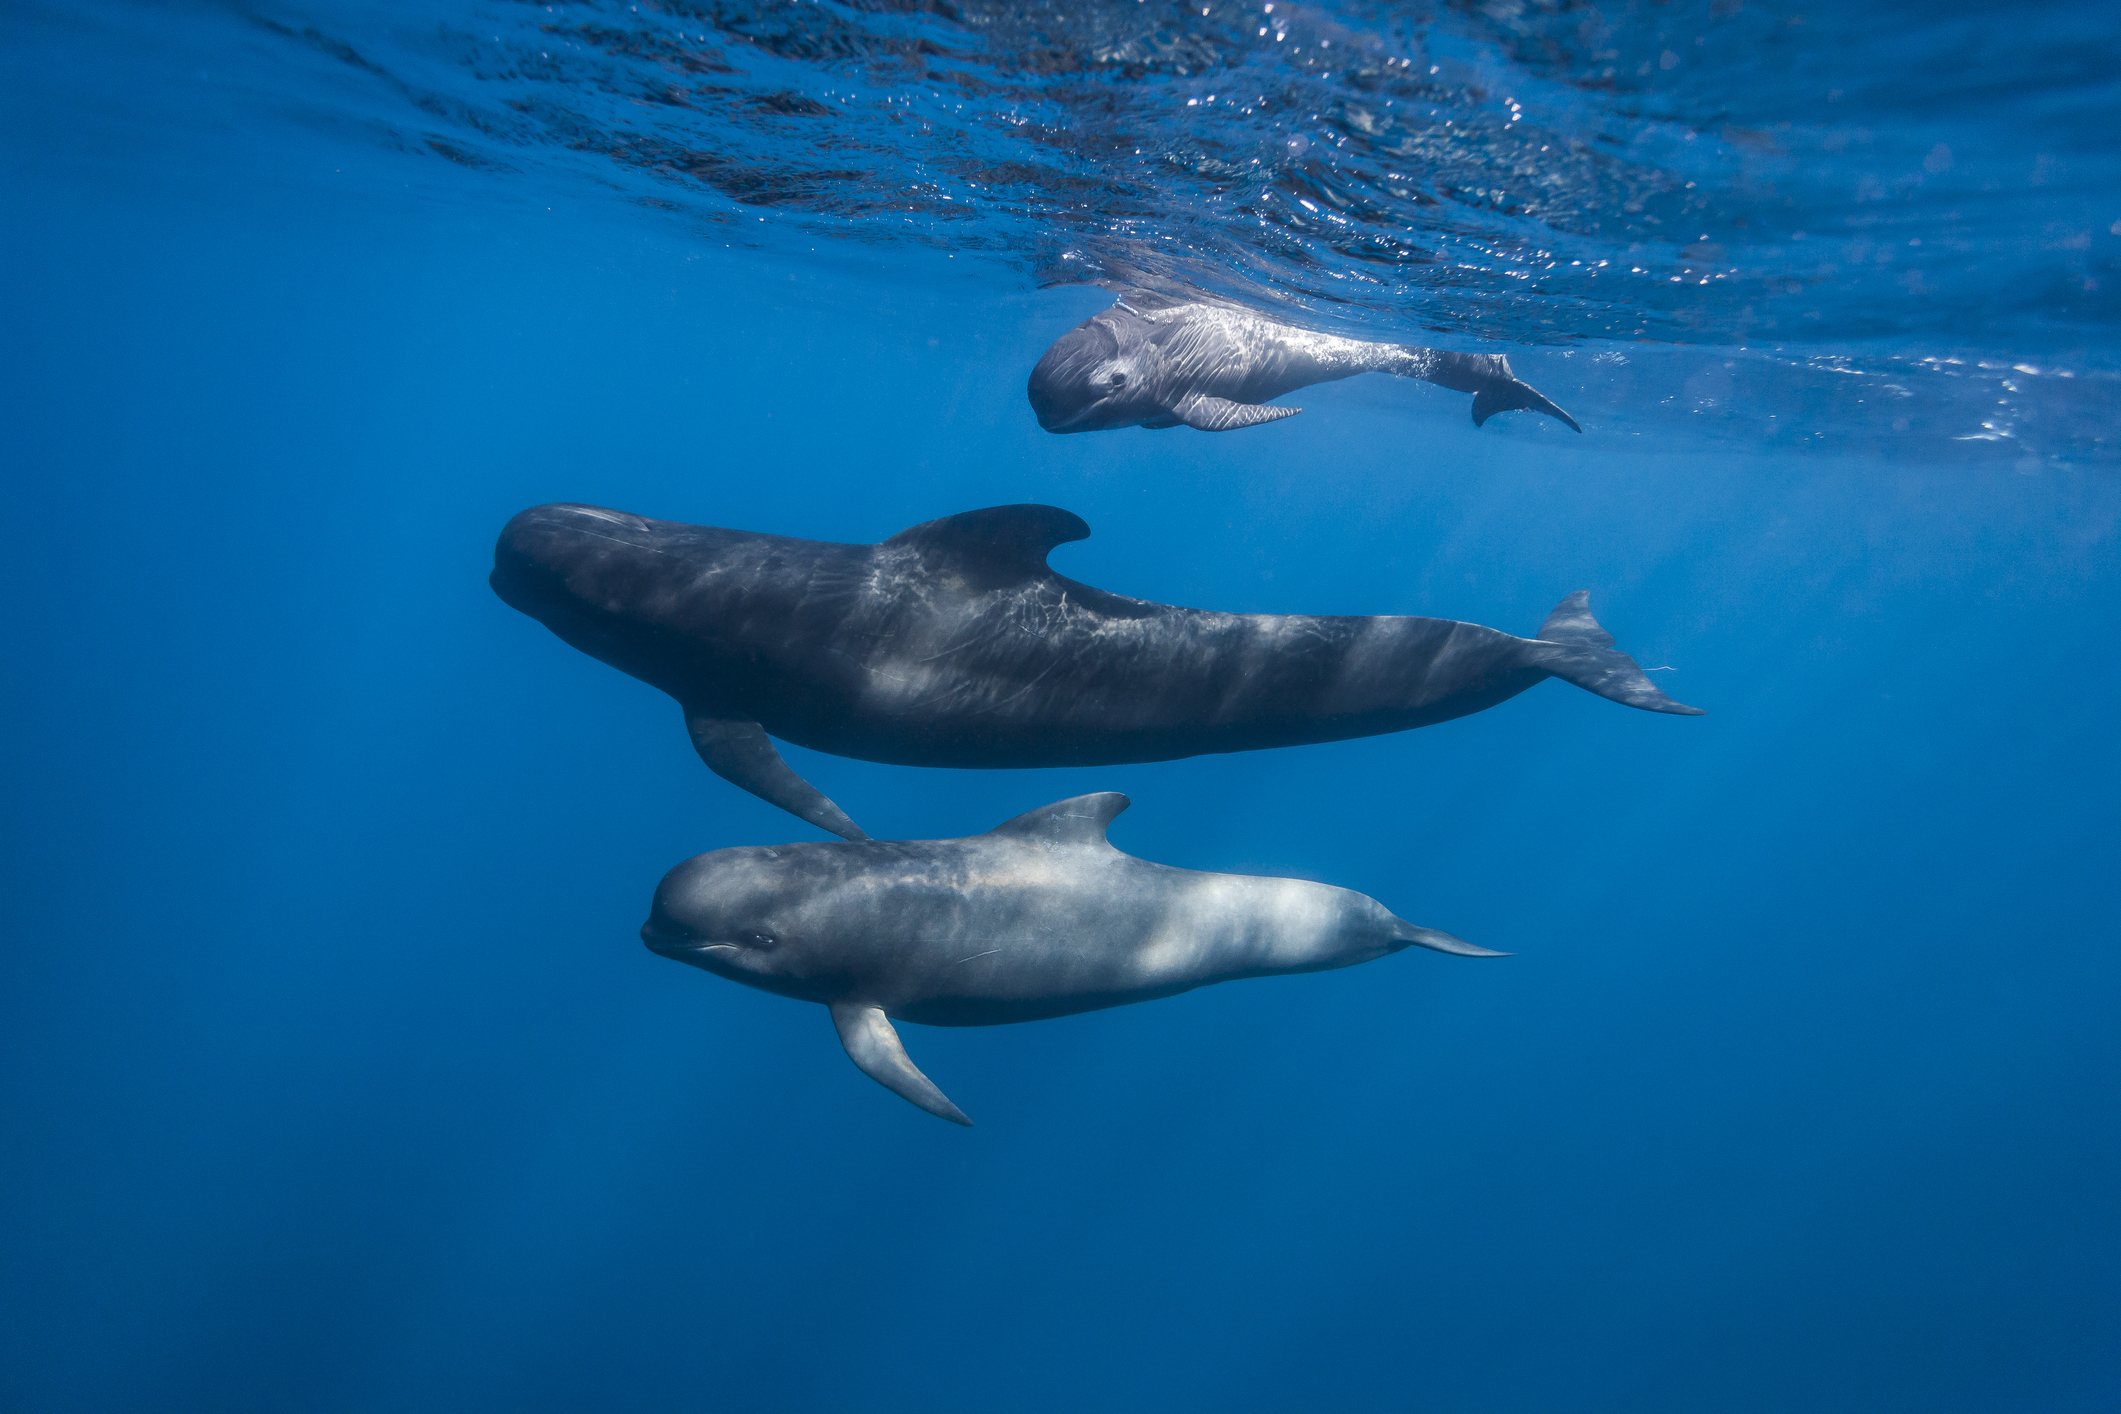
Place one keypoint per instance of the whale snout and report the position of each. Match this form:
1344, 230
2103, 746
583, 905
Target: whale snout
1052, 402
539, 548
668, 941
1061, 389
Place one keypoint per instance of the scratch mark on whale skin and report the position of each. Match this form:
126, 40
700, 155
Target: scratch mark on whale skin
629, 544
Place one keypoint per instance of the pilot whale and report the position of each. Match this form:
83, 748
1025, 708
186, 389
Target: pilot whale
953, 644
1038, 917
1153, 361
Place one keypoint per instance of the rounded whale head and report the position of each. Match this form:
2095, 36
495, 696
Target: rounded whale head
541, 548
583, 571
738, 913
1087, 382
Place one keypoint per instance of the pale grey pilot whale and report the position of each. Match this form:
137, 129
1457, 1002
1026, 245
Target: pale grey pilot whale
1154, 361
953, 644
1039, 917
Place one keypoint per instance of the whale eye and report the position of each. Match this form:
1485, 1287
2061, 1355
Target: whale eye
1119, 380
761, 940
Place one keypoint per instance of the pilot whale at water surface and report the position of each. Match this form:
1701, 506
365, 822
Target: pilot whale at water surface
1153, 361
953, 644
1039, 917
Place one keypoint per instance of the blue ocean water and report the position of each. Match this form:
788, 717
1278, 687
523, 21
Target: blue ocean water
333, 1074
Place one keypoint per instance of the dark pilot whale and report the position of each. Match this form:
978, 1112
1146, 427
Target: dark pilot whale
1152, 361
953, 644
1038, 917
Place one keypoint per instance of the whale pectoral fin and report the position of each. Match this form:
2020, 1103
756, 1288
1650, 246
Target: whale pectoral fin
738, 752
1206, 414
873, 1045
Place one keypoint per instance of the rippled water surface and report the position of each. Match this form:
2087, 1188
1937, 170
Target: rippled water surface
1913, 201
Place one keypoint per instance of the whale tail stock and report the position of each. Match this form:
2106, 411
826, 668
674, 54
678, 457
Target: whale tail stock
1493, 386
1583, 653
873, 1045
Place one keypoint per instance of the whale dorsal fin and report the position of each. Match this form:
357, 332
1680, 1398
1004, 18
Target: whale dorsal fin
1082, 819
1014, 538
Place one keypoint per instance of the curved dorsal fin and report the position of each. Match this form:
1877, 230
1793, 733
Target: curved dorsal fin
1010, 538
1082, 819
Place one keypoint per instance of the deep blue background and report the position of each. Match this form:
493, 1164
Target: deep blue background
336, 1079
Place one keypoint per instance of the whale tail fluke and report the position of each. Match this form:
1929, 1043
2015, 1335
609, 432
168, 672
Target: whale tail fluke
1582, 652
1439, 940
1513, 395
1488, 377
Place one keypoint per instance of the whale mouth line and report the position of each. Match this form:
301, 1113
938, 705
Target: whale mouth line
1075, 421
680, 944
